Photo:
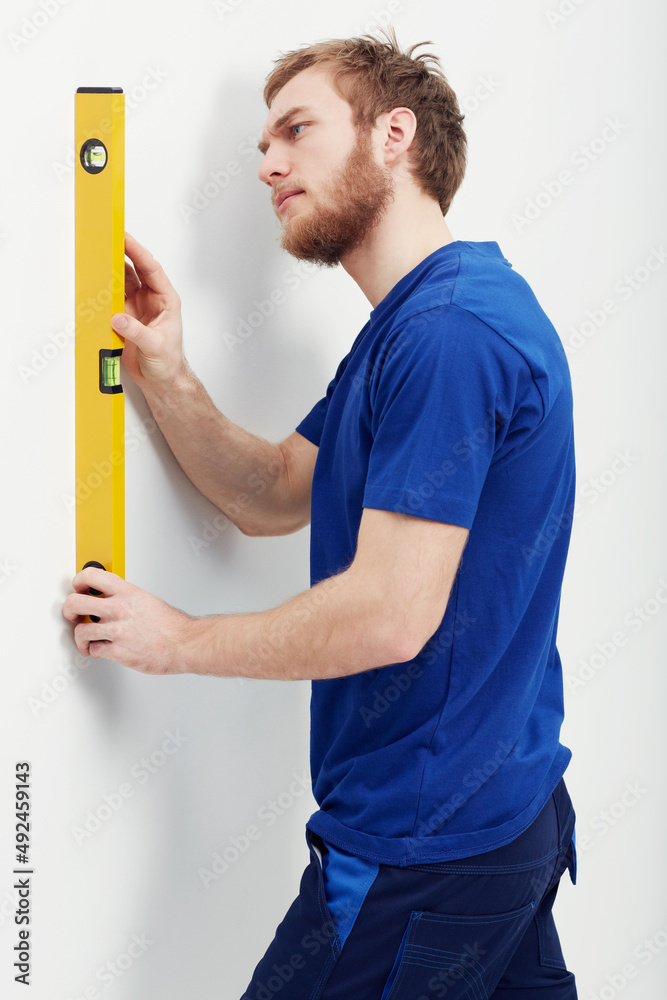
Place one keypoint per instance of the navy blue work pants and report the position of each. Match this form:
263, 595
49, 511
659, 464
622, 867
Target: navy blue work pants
478, 928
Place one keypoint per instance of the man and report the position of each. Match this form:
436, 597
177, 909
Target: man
438, 476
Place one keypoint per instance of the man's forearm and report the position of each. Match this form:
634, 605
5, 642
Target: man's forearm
339, 627
381, 610
243, 475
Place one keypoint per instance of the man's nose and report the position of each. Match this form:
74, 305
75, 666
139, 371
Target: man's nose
273, 166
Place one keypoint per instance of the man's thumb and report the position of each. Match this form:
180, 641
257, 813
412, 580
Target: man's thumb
126, 326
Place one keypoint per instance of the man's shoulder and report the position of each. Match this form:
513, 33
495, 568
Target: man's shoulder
476, 287
472, 306
456, 275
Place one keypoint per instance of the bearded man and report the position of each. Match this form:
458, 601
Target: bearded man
437, 473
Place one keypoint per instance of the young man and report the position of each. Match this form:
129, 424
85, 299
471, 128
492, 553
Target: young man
438, 475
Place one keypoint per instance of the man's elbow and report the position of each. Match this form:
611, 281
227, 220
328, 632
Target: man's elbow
403, 641
272, 525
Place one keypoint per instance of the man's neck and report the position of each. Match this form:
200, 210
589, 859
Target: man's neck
407, 234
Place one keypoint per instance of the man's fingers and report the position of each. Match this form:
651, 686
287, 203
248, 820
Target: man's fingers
88, 640
132, 283
99, 579
100, 649
78, 605
145, 337
148, 269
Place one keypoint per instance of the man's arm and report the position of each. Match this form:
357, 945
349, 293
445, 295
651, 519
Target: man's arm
382, 609
263, 488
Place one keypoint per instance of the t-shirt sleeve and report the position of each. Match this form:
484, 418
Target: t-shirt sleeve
312, 425
442, 398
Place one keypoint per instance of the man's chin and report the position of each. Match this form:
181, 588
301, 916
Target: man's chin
298, 246
309, 255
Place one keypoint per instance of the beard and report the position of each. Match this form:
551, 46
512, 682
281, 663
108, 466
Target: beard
360, 192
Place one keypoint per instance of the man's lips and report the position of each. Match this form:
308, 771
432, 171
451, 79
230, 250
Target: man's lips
285, 196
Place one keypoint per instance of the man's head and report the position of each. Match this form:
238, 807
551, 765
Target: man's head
347, 97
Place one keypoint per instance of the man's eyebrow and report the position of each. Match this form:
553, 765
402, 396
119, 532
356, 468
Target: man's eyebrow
280, 122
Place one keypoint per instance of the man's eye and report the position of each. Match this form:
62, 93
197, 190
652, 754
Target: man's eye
292, 127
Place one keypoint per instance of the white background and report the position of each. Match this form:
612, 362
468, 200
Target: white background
537, 87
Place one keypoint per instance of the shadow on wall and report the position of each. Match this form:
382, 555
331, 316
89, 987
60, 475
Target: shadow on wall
256, 285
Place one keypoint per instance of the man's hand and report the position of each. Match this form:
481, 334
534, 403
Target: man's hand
151, 324
135, 628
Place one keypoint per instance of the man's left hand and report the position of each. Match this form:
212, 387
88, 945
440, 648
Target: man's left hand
135, 628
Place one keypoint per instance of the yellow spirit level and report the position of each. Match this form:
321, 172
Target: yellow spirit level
99, 183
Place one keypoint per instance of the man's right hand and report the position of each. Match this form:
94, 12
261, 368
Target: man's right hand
153, 334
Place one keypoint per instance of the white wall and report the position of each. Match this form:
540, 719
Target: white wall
194, 75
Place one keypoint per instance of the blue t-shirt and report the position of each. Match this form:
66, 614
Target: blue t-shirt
454, 404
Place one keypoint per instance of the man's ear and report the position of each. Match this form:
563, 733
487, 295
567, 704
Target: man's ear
397, 131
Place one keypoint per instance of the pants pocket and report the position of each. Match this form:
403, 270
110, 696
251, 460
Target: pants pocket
316, 847
549, 946
572, 859
457, 956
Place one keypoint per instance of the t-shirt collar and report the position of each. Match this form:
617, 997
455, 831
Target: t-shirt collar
490, 248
